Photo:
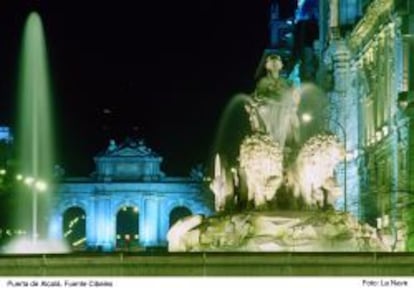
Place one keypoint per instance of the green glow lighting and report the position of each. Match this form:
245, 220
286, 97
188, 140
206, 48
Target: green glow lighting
67, 233
29, 180
79, 242
35, 147
41, 186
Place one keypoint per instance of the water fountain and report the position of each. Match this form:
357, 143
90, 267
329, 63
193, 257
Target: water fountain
280, 193
35, 143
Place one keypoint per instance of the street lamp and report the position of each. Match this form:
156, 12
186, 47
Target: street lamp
40, 186
36, 186
306, 118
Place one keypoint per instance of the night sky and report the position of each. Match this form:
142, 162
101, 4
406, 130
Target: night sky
160, 70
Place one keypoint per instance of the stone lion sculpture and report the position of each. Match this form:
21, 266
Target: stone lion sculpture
311, 175
261, 162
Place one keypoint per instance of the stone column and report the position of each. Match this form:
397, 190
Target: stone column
164, 221
395, 87
91, 233
55, 231
339, 107
333, 13
102, 226
334, 19
409, 207
150, 231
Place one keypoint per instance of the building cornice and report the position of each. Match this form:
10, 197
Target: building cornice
367, 26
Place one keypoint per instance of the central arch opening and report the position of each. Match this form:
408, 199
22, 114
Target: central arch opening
178, 213
127, 228
74, 228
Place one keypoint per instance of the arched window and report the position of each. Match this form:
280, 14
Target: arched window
178, 213
127, 228
74, 227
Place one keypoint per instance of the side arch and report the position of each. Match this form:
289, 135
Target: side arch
168, 206
74, 227
177, 213
57, 212
196, 207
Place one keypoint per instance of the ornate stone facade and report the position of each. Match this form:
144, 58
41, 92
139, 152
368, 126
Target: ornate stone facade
370, 99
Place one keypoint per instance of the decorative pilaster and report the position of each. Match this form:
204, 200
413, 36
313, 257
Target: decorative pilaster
409, 207
55, 230
151, 235
101, 226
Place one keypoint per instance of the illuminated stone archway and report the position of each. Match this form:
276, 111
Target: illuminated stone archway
127, 175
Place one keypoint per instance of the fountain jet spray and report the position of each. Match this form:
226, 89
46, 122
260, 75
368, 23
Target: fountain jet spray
34, 134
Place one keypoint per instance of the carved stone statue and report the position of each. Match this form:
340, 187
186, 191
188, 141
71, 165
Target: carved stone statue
311, 176
261, 161
273, 107
266, 178
178, 236
333, 13
112, 145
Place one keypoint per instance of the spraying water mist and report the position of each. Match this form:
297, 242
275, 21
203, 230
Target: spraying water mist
35, 140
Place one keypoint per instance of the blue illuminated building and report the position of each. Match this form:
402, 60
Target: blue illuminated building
5, 134
128, 179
